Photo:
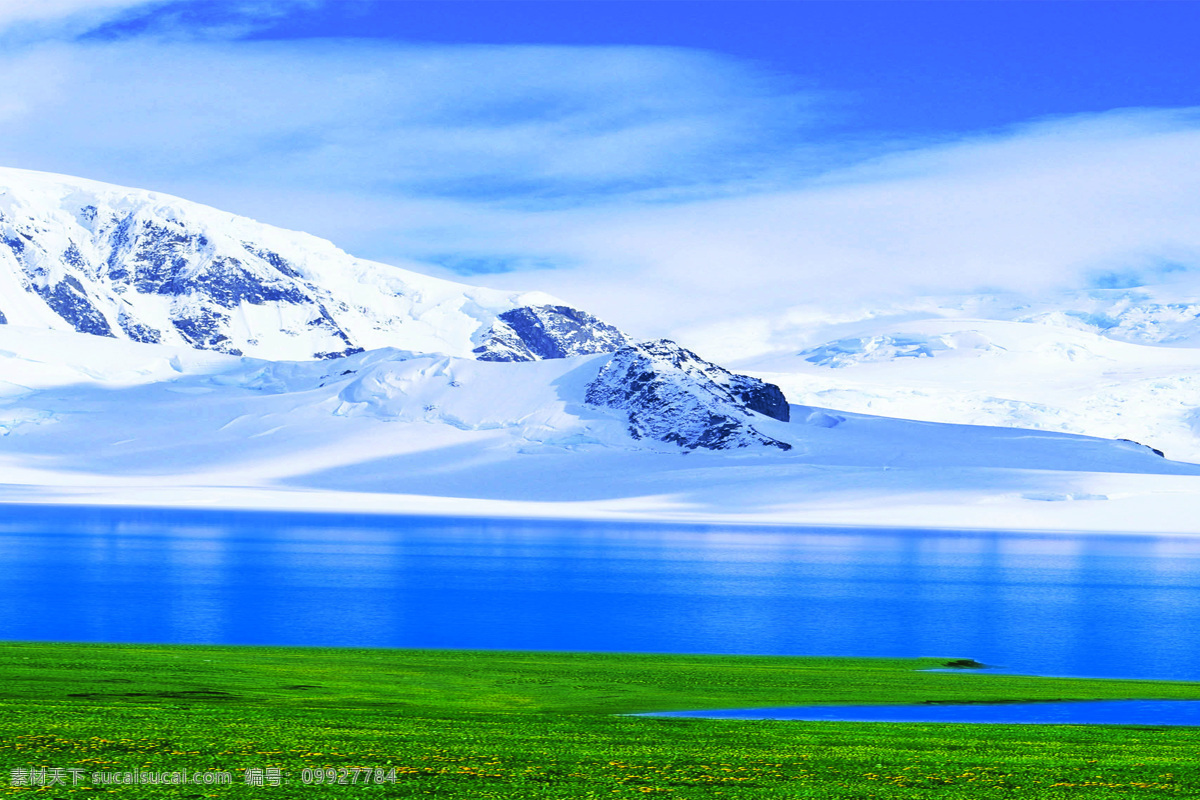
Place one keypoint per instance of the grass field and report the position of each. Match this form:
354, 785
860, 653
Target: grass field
472, 724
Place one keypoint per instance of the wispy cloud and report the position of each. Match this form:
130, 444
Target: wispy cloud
27, 21
1050, 205
19, 11
22, 20
558, 124
199, 20
665, 189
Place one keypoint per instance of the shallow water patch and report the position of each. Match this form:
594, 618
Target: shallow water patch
1107, 712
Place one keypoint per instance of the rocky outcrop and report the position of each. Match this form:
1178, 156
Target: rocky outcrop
758, 396
1154, 450
673, 395
533, 333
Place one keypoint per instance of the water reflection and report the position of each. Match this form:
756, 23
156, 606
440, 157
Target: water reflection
1100, 605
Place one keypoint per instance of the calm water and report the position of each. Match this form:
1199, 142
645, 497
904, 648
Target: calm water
1112, 712
1048, 604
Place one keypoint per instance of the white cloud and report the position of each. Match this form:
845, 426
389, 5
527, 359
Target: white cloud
26, 21
39, 20
591, 158
379, 117
16, 11
1042, 207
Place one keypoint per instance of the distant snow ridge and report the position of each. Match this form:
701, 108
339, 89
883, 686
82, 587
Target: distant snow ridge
533, 333
131, 264
869, 349
673, 395
1136, 323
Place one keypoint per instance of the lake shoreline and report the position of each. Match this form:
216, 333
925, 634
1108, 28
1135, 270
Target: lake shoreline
1027, 603
1121, 516
322, 512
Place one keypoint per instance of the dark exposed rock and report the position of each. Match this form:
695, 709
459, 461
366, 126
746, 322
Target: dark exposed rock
118, 242
137, 331
349, 351
503, 344
203, 329
1154, 450
67, 297
160, 257
73, 257
135, 254
673, 395
69, 300
533, 333
167, 260
228, 283
274, 259
765, 398
15, 244
326, 323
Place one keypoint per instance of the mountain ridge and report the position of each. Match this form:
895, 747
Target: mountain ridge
144, 266
123, 263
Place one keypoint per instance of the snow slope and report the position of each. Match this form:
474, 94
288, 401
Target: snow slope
402, 432
1025, 367
132, 264
155, 350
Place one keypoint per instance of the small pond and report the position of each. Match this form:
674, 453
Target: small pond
1109, 712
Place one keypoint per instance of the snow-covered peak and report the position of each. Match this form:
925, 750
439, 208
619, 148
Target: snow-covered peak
1128, 319
673, 395
132, 264
889, 347
534, 333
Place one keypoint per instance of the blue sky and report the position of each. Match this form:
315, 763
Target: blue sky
706, 153
901, 68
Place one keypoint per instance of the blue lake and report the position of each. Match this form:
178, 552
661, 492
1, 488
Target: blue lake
1098, 605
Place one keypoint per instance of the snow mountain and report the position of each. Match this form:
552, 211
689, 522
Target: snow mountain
673, 395
1133, 316
90, 419
536, 332
1110, 363
158, 351
131, 264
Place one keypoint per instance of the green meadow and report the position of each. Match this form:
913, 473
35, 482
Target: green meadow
326, 723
